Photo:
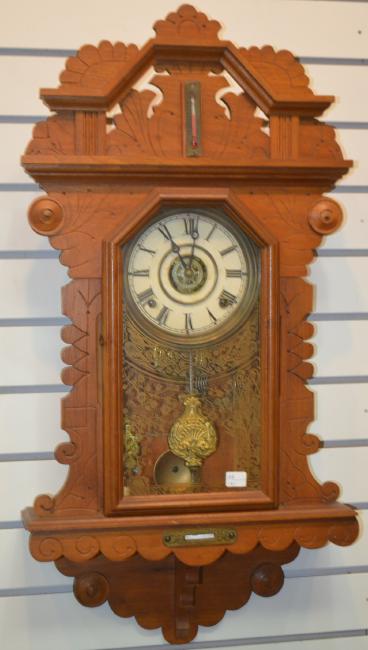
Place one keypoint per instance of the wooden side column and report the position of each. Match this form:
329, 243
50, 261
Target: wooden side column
284, 130
90, 132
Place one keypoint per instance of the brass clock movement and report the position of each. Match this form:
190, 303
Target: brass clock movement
187, 223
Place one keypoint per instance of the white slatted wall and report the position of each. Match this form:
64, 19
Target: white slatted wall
324, 603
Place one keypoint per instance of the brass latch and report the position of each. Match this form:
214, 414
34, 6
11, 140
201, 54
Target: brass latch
199, 536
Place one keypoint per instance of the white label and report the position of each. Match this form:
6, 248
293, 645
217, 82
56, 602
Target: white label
236, 479
194, 536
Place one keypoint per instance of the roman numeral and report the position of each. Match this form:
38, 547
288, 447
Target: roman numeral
144, 273
227, 298
226, 251
145, 295
234, 273
191, 225
146, 250
188, 322
162, 316
211, 232
212, 317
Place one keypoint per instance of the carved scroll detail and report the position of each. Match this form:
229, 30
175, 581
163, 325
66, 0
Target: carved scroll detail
117, 546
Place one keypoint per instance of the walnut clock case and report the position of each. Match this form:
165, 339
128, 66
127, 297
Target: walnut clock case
187, 215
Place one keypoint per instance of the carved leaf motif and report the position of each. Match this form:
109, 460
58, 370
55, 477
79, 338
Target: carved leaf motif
53, 136
96, 68
280, 70
318, 140
284, 215
186, 23
133, 130
245, 137
161, 135
79, 240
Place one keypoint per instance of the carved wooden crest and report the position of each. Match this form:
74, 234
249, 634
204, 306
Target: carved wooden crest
221, 126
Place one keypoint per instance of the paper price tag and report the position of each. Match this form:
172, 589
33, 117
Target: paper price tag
236, 479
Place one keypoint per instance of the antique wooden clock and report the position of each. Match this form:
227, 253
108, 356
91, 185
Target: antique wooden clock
187, 215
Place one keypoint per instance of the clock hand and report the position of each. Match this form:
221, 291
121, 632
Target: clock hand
194, 234
174, 247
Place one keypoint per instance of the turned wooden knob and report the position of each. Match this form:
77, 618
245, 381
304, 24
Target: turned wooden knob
91, 589
267, 579
325, 217
45, 216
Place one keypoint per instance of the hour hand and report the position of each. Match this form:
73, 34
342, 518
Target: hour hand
174, 247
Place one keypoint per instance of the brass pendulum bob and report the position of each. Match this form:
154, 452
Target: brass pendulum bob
193, 437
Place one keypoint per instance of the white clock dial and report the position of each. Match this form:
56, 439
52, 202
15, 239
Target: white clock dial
189, 273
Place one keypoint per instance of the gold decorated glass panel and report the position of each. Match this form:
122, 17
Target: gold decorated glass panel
191, 356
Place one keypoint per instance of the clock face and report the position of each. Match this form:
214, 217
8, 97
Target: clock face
191, 276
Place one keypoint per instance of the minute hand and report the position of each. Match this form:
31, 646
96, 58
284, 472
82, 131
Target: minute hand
195, 235
174, 247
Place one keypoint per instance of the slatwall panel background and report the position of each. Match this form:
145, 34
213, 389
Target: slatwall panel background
324, 602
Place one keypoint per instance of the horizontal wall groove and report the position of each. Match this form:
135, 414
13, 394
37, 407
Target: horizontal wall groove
34, 388
49, 455
350, 189
47, 321
21, 119
342, 252
46, 254
11, 525
258, 640
31, 119
27, 456
20, 187
345, 379
337, 316
359, 505
63, 52
331, 571
352, 442
53, 254
348, 125
59, 321
36, 591
289, 575
60, 388
36, 51
333, 60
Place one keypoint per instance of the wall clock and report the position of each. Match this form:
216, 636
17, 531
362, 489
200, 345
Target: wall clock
187, 214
